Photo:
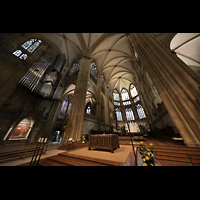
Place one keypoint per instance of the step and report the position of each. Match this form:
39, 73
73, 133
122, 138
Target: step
178, 159
96, 160
178, 155
74, 161
49, 162
173, 163
193, 149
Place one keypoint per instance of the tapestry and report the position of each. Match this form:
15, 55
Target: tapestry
22, 130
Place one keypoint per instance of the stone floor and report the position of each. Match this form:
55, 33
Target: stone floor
50, 152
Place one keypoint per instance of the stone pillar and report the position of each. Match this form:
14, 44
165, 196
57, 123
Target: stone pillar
98, 107
76, 115
175, 82
49, 125
107, 110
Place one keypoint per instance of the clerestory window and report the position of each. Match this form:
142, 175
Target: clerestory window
30, 46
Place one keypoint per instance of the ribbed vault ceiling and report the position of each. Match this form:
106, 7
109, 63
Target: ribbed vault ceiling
187, 47
111, 52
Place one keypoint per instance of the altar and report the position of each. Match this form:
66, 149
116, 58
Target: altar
104, 141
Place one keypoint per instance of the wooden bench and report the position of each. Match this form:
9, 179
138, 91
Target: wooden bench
5, 156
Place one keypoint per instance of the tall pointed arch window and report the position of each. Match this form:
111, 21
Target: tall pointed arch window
88, 110
75, 67
125, 97
140, 111
29, 46
133, 91
70, 103
93, 71
116, 95
63, 109
116, 98
103, 83
17, 53
129, 114
118, 114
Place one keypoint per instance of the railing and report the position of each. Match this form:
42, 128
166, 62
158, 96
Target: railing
38, 151
134, 152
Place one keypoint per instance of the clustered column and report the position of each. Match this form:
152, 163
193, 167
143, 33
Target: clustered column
76, 115
176, 83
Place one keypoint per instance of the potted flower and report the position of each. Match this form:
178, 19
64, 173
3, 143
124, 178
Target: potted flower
147, 154
83, 138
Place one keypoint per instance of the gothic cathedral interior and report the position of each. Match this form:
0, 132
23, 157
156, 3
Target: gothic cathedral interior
63, 85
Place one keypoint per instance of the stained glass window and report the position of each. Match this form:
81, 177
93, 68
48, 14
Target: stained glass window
30, 46
69, 107
63, 109
140, 111
116, 95
129, 114
75, 67
33, 47
133, 91
126, 103
88, 110
118, 114
136, 99
125, 95
23, 56
17, 53
93, 70
27, 44
116, 103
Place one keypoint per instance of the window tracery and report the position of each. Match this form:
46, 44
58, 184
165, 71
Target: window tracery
133, 91
129, 114
116, 95
75, 67
140, 111
118, 114
88, 110
125, 95
29, 46
17, 53
63, 109
93, 71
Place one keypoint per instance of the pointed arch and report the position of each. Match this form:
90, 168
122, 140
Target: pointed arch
133, 90
129, 114
118, 114
124, 94
116, 95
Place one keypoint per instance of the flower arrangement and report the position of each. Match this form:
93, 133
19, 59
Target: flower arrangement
147, 154
83, 138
